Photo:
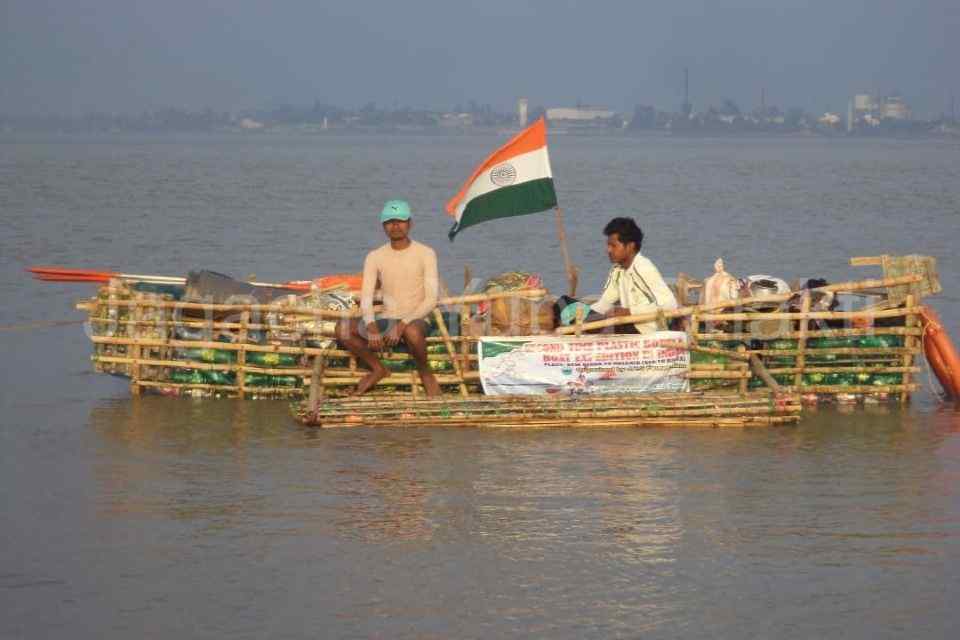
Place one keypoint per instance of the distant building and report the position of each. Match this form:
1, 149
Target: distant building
829, 120
864, 102
580, 115
894, 108
456, 120
870, 111
522, 111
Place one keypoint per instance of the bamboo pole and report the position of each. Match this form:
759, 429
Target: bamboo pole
203, 324
341, 375
242, 354
809, 369
317, 389
910, 342
821, 333
188, 385
735, 355
595, 423
227, 389
385, 404
743, 382
675, 408
718, 375
414, 382
757, 367
458, 370
581, 405
571, 270
811, 315
591, 405
465, 317
802, 338
835, 389
329, 313
665, 398
229, 346
433, 419
135, 353
880, 352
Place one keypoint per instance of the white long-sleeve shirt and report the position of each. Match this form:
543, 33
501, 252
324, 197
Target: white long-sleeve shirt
639, 288
408, 282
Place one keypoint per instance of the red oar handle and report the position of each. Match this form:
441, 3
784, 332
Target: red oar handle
68, 271
53, 277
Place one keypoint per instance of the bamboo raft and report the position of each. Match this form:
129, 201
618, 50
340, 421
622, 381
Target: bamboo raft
697, 409
754, 366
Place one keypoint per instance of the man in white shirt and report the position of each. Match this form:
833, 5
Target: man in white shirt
406, 271
634, 285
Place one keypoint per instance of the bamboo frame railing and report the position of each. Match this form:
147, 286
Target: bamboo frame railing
139, 335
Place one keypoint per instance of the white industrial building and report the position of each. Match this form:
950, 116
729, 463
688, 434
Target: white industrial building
582, 115
870, 111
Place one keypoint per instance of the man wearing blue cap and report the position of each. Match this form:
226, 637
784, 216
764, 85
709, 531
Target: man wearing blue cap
406, 271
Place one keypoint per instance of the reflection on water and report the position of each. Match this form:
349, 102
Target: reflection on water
644, 523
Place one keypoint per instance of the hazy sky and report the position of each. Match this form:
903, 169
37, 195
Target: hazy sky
75, 56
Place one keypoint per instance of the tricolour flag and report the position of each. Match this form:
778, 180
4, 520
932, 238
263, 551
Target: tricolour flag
514, 181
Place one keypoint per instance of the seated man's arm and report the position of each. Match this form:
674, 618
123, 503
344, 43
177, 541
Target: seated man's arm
609, 297
367, 288
431, 288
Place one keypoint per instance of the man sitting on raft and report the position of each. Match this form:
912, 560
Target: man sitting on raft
407, 273
633, 287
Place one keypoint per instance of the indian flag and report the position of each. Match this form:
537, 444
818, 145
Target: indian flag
514, 181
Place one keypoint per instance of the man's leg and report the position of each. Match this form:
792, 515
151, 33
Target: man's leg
348, 335
415, 335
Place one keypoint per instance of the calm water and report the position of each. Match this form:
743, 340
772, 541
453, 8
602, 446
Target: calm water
157, 517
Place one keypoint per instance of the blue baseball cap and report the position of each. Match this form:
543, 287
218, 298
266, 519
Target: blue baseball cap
395, 210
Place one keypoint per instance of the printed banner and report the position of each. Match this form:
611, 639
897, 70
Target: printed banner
531, 365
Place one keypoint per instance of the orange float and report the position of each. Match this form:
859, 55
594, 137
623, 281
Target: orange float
351, 281
940, 352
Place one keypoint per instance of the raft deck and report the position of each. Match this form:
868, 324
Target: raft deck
697, 409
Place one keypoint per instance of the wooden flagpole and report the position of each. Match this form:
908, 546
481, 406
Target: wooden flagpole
572, 275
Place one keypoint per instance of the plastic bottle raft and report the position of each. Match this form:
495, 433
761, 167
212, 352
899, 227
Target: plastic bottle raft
169, 346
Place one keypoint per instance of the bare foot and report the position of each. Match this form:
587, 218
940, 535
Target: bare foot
430, 385
368, 381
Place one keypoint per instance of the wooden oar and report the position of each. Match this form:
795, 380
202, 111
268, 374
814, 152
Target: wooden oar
68, 274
